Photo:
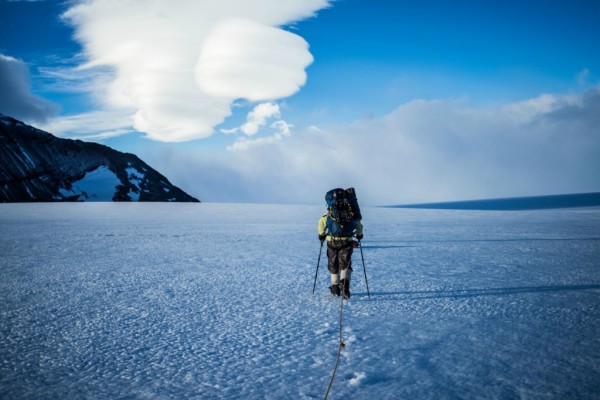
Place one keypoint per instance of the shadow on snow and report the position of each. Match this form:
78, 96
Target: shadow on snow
462, 293
530, 239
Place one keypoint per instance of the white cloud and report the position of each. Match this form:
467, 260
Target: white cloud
247, 59
541, 105
77, 80
94, 125
256, 120
258, 117
244, 144
282, 130
282, 127
229, 131
16, 99
164, 56
423, 151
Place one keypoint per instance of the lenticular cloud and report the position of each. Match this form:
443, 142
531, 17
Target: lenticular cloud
178, 66
243, 58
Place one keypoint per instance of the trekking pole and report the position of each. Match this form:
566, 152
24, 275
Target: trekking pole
364, 269
317, 271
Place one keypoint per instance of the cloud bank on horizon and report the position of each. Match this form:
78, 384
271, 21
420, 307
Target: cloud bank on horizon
424, 151
177, 71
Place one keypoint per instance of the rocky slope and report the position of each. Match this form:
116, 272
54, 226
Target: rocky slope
37, 166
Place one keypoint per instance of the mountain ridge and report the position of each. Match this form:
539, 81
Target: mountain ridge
36, 166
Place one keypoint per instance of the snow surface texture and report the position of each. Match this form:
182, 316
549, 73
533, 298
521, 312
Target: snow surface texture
212, 301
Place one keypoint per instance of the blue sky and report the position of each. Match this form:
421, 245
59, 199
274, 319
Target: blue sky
271, 102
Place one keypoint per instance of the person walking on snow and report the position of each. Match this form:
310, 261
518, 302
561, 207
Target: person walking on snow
338, 227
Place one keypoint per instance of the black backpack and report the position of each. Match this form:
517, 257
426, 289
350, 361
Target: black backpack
343, 211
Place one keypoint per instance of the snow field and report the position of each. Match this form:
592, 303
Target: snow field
213, 301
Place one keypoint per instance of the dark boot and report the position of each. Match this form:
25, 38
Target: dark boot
345, 284
335, 290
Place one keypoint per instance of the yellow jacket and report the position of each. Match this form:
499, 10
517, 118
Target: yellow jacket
322, 229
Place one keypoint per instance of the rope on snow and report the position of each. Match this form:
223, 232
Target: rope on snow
340, 347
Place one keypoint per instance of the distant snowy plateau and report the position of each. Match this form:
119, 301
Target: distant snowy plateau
213, 301
36, 166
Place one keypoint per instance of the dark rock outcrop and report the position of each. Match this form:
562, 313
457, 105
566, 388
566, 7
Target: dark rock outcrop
37, 166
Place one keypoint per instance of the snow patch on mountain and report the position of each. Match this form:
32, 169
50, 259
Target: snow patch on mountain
135, 178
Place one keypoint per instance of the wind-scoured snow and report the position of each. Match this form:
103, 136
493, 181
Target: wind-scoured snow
213, 301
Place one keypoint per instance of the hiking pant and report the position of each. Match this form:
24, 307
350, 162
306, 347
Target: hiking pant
339, 255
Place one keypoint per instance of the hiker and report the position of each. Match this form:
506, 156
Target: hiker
338, 226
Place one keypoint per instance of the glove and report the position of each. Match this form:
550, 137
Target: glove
322, 237
359, 237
